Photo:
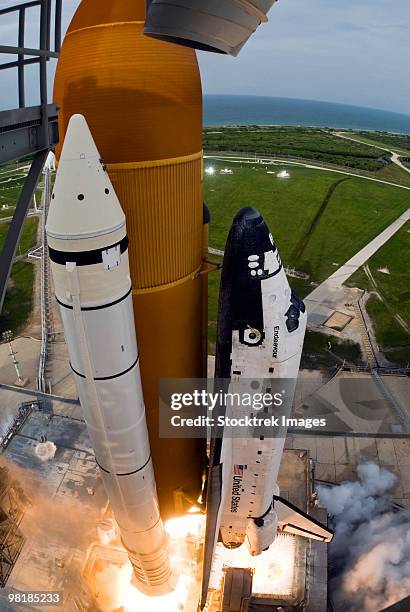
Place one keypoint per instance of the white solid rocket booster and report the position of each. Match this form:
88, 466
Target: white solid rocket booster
88, 249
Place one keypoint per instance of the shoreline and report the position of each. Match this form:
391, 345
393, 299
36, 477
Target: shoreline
234, 110
307, 127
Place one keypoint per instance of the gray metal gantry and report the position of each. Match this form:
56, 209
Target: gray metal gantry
11, 513
28, 130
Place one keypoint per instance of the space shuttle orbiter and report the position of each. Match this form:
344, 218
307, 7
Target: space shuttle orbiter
261, 328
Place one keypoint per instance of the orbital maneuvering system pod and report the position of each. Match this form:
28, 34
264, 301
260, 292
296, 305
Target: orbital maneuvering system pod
88, 248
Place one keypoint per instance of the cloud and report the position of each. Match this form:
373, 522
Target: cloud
352, 52
355, 52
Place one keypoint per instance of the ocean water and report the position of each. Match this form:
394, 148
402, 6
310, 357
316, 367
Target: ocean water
257, 110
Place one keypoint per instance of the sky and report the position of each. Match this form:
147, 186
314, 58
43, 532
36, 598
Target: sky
353, 52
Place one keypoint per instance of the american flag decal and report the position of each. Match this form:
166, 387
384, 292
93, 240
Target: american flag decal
238, 470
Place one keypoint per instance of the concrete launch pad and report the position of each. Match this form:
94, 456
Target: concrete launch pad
69, 501
65, 502
356, 402
363, 425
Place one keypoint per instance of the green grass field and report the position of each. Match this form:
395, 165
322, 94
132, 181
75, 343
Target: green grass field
394, 290
28, 237
11, 182
328, 351
213, 297
287, 205
19, 297
18, 302
357, 211
400, 143
298, 142
394, 174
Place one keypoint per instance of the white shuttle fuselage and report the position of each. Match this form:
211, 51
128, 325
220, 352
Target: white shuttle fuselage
268, 329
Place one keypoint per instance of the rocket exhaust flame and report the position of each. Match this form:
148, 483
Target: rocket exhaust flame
274, 569
116, 591
115, 588
88, 250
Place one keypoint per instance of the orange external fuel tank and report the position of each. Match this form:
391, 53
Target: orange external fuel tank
142, 100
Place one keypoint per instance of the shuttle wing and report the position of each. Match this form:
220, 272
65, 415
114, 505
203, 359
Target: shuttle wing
293, 520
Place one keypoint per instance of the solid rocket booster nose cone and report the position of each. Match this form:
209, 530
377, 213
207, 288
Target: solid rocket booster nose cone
78, 142
84, 203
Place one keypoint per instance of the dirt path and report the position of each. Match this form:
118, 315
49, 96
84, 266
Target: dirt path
303, 243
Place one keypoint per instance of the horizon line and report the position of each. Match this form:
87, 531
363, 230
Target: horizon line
247, 95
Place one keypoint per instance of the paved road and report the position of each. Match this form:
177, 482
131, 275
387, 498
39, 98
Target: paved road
396, 160
327, 291
32, 213
251, 160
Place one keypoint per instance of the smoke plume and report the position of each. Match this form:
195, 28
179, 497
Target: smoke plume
45, 451
370, 552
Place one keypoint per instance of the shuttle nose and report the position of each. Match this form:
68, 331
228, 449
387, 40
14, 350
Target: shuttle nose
248, 216
250, 230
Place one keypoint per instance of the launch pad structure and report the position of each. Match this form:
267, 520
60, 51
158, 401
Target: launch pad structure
28, 130
11, 538
307, 584
24, 131
69, 557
